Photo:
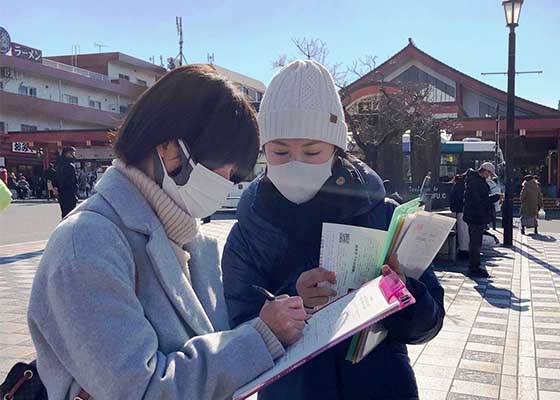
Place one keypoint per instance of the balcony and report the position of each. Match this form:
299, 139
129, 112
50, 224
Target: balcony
75, 70
16, 103
73, 75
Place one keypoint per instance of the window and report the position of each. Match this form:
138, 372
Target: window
441, 91
243, 90
27, 91
95, 104
70, 99
123, 109
125, 77
1, 85
2, 126
141, 82
28, 128
487, 110
258, 96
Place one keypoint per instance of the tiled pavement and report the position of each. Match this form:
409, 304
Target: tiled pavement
500, 340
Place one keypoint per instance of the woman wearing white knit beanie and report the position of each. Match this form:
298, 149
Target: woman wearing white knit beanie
311, 179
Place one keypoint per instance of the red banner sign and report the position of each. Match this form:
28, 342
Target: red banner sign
28, 53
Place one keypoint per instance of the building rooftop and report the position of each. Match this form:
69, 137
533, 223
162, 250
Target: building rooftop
240, 78
97, 62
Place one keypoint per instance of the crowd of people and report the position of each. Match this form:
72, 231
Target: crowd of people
61, 181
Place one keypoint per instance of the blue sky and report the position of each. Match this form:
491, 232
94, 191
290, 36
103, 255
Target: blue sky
246, 36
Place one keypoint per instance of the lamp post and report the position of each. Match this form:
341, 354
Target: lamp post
512, 9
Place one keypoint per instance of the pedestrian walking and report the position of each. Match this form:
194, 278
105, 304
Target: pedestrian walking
311, 179
127, 302
67, 181
477, 212
456, 201
50, 176
531, 203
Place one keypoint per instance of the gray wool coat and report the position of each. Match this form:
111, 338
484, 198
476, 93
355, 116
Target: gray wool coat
168, 341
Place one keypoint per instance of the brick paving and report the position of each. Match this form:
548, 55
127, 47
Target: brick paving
500, 339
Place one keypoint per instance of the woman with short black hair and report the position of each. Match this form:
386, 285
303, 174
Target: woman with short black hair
127, 302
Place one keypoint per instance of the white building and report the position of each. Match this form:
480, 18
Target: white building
252, 88
70, 92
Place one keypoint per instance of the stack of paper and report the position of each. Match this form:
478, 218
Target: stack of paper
357, 254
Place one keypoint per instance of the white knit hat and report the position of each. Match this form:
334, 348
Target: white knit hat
302, 102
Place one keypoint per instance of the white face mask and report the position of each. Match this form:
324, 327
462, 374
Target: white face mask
299, 182
204, 192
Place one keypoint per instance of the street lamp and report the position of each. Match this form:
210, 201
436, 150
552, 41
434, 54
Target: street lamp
512, 9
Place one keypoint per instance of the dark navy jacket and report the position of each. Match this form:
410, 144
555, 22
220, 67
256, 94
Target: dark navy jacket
479, 202
274, 241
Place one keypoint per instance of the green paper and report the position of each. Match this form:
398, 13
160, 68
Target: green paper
400, 212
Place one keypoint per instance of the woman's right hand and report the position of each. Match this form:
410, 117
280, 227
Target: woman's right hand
285, 317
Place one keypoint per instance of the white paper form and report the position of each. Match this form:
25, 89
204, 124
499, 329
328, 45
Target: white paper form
351, 252
422, 241
328, 327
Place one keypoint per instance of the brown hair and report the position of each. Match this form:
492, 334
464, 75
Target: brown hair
197, 105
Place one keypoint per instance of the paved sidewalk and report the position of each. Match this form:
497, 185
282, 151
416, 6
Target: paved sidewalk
500, 340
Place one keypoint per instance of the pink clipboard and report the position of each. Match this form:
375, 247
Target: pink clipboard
393, 290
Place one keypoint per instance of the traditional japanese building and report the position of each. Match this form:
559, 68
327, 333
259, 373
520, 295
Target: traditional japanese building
471, 105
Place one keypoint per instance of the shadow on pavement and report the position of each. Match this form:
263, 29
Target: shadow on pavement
542, 238
495, 296
20, 257
537, 260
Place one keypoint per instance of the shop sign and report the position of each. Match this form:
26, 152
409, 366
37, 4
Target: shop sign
22, 147
27, 53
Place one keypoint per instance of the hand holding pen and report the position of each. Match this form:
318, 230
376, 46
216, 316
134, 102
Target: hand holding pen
284, 315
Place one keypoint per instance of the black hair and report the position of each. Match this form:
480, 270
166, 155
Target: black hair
197, 105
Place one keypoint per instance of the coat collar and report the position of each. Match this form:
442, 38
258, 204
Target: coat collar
136, 214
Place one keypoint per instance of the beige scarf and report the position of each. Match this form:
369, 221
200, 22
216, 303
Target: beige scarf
179, 226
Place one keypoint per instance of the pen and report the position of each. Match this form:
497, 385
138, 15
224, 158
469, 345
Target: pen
269, 296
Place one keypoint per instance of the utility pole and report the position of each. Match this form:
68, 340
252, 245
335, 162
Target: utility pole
497, 137
180, 56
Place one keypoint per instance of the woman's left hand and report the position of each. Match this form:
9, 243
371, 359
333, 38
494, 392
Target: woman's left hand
393, 264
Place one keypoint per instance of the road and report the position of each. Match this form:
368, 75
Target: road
29, 222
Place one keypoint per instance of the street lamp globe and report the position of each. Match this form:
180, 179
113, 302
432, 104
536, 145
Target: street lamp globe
512, 9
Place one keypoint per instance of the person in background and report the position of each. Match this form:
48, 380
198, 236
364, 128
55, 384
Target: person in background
391, 192
67, 181
24, 188
127, 302
12, 185
531, 203
50, 176
311, 179
4, 175
477, 213
456, 201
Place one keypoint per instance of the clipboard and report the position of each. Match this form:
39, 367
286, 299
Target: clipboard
336, 322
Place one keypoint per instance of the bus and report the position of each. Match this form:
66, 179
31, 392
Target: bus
457, 156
